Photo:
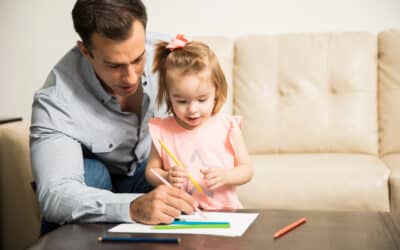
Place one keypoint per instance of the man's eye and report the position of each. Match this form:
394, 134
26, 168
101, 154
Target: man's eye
114, 66
139, 60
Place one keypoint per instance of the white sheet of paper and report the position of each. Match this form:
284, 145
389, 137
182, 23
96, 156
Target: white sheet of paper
239, 223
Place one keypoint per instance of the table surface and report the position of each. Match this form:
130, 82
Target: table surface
323, 230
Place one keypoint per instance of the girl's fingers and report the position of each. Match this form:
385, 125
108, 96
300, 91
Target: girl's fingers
215, 186
177, 179
177, 172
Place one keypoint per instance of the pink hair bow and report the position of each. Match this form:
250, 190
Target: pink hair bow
178, 42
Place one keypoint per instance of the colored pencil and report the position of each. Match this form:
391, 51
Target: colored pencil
199, 222
290, 227
179, 164
169, 184
138, 239
193, 226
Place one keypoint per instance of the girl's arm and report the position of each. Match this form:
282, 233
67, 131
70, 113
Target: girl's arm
154, 162
240, 174
243, 171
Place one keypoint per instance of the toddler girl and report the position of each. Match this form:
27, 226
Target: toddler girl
208, 143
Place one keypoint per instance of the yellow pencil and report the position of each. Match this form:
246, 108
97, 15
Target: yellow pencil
179, 164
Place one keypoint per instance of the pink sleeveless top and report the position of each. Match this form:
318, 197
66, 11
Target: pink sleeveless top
205, 146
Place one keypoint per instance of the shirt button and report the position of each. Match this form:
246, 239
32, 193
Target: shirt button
145, 83
110, 146
102, 101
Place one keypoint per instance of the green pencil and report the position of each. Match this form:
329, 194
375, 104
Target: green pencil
193, 226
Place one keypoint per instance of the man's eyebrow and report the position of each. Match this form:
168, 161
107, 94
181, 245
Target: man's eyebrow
133, 61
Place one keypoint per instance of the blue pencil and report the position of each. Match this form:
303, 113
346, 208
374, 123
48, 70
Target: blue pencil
139, 239
199, 222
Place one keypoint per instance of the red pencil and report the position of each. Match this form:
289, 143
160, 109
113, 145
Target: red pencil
289, 227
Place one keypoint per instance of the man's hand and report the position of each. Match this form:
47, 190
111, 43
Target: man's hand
162, 205
214, 177
177, 176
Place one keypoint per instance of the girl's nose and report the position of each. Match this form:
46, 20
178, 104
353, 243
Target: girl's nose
192, 107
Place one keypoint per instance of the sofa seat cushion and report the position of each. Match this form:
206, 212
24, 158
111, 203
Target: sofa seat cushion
393, 162
317, 182
19, 211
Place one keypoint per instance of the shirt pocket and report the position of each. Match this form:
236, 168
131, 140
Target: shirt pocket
104, 147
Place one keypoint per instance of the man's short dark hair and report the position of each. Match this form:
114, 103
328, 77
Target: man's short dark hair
110, 18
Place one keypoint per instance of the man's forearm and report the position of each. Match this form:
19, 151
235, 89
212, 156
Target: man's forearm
57, 164
75, 202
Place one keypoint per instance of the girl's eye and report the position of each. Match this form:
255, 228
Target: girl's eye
203, 100
181, 101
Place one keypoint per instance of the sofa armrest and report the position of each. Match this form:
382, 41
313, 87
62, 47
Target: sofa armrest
20, 220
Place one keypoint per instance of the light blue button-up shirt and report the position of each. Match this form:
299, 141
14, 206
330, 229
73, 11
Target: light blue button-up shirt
72, 111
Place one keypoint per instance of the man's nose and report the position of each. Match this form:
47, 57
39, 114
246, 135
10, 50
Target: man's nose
130, 74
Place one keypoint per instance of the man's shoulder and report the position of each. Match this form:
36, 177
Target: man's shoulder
64, 78
71, 63
69, 69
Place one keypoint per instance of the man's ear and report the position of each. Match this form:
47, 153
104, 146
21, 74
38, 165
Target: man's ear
85, 51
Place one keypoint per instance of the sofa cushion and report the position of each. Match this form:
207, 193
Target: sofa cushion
317, 182
19, 210
302, 93
389, 91
393, 162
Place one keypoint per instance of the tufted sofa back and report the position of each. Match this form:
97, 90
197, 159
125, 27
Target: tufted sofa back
308, 93
389, 91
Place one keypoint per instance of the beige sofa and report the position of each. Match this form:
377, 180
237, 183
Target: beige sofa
322, 123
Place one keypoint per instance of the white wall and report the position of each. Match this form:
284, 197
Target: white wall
35, 34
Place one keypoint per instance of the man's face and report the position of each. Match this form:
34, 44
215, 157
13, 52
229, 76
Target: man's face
118, 64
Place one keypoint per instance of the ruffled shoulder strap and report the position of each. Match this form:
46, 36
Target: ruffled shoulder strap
234, 124
159, 129
237, 122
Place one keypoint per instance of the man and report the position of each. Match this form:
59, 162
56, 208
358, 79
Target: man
89, 133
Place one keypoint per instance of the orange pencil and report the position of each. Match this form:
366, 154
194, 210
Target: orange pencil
289, 227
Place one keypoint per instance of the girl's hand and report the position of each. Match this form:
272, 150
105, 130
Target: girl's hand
177, 176
214, 177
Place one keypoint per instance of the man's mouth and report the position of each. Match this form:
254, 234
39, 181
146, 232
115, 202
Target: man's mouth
130, 87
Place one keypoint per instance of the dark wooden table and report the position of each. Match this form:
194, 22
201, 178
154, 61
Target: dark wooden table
323, 230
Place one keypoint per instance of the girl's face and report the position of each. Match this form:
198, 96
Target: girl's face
192, 97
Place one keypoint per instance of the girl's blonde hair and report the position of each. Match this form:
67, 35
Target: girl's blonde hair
193, 58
